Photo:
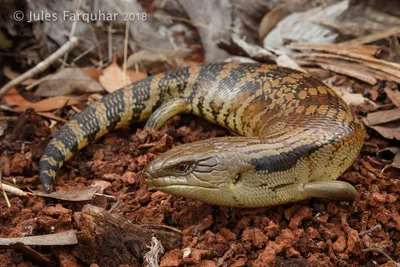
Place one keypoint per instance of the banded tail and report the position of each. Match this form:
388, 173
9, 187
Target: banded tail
134, 103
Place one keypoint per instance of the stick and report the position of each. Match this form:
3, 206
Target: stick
5, 118
373, 37
33, 255
42, 66
71, 33
4, 191
58, 239
126, 47
384, 254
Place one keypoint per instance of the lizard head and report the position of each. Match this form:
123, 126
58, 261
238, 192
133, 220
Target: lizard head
197, 170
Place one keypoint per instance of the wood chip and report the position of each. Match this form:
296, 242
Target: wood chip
95, 245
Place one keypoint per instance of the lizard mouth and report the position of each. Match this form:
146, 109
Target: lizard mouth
172, 181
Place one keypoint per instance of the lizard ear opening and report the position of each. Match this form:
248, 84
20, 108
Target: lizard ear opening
237, 178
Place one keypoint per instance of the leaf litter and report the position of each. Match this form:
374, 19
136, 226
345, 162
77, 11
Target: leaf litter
311, 233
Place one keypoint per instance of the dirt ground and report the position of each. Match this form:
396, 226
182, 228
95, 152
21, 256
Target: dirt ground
314, 232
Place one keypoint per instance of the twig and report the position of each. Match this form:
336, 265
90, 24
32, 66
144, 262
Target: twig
8, 118
227, 255
384, 254
58, 239
370, 230
33, 255
72, 33
98, 47
104, 195
37, 82
109, 37
83, 54
114, 207
373, 37
3, 189
126, 46
42, 66
15, 191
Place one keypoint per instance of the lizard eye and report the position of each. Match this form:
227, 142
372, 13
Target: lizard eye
183, 167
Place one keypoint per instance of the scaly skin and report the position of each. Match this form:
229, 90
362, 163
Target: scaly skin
296, 136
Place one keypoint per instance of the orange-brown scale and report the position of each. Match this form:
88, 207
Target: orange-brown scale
281, 107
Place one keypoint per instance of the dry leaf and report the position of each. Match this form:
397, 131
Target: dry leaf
394, 95
358, 100
352, 70
52, 116
135, 75
114, 78
302, 27
383, 116
83, 195
51, 103
240, 59
357, 61
373, 37
215, 19
394, 54
68, 81
385, 122
390, 130
353, 100
94, 74
360, 54
10, 74
270, 20
285, 61
150, 58
238, 46
13, 98
368, 51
